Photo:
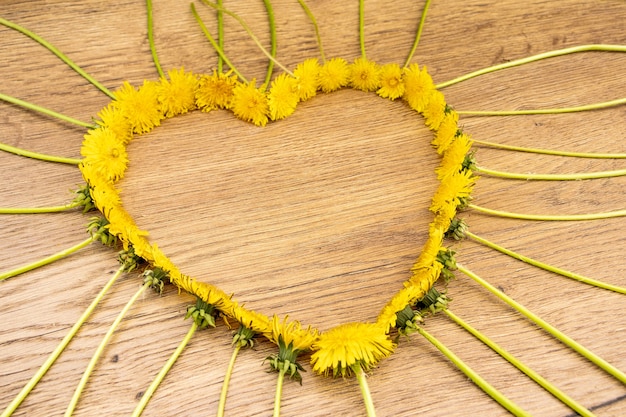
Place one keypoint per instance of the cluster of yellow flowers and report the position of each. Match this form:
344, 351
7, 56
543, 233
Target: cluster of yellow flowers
139, 110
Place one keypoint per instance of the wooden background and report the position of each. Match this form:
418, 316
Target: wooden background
319, 216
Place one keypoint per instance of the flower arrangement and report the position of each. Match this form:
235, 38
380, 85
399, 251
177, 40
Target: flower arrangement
349, 348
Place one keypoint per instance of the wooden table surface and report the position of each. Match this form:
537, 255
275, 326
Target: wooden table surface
320, 216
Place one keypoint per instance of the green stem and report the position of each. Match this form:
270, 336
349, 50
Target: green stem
594, 106
549, 217
96, 356
471, 374
37, 155
37, 210
362, 27
45, 261
272, 23
229, 371
166, 368
311, 16
365, 390
545, 384
217, 48
545, 266
48, 112
60, 348
551, 177
220, 36
155, 58
279, 391
551, 152
571, 343
58, 53
418, 34
252, 36
538, 57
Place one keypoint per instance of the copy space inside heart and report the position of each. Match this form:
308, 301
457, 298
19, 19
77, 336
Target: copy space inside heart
319, 216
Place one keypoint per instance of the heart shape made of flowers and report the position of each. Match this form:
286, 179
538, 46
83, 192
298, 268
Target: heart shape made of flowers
137, 111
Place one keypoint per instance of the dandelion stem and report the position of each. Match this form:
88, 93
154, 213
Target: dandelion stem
470, 373
37, 155
545, 384
418, 34
272, 23
549, 217
550, 152
311, 16
166, 368
533, 58
252, 36
594, 106
155, 58
229, 371
96, 356
571, 343
43, 110
217, 48
60, 348
45, 261
362, 27
220, 35
551, 177
279, 391
365, 390
58, 53
545, 266
37, 210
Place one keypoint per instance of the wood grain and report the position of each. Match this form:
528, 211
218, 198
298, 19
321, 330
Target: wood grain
319, 216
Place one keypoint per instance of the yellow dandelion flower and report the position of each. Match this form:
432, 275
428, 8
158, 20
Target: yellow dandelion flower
388, 316
307, 74
113, 118
215, 91
105, 153
349, 345
292, 334
423, 279
283, 97
452, 190
429, 251
257, 322
250, 104
105, 196
391, 85
417, 85
454, 155
447, 132
140, 106
334, 74
177, 95
364, 75
434, 110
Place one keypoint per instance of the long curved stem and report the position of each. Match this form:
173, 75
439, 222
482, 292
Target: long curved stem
38, 155
279, 392
45, 261
545, 266
229, 371
58, 53
311, 16
272, 23
365, 390
544, 383
551, 177
166, 368
549, 217
471, 374
43, 110
568, 341
362, 27
550, 151
575, 109
418, 34
38, 210
155, 57
96, 356
533, 58
220, 35
60, 348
